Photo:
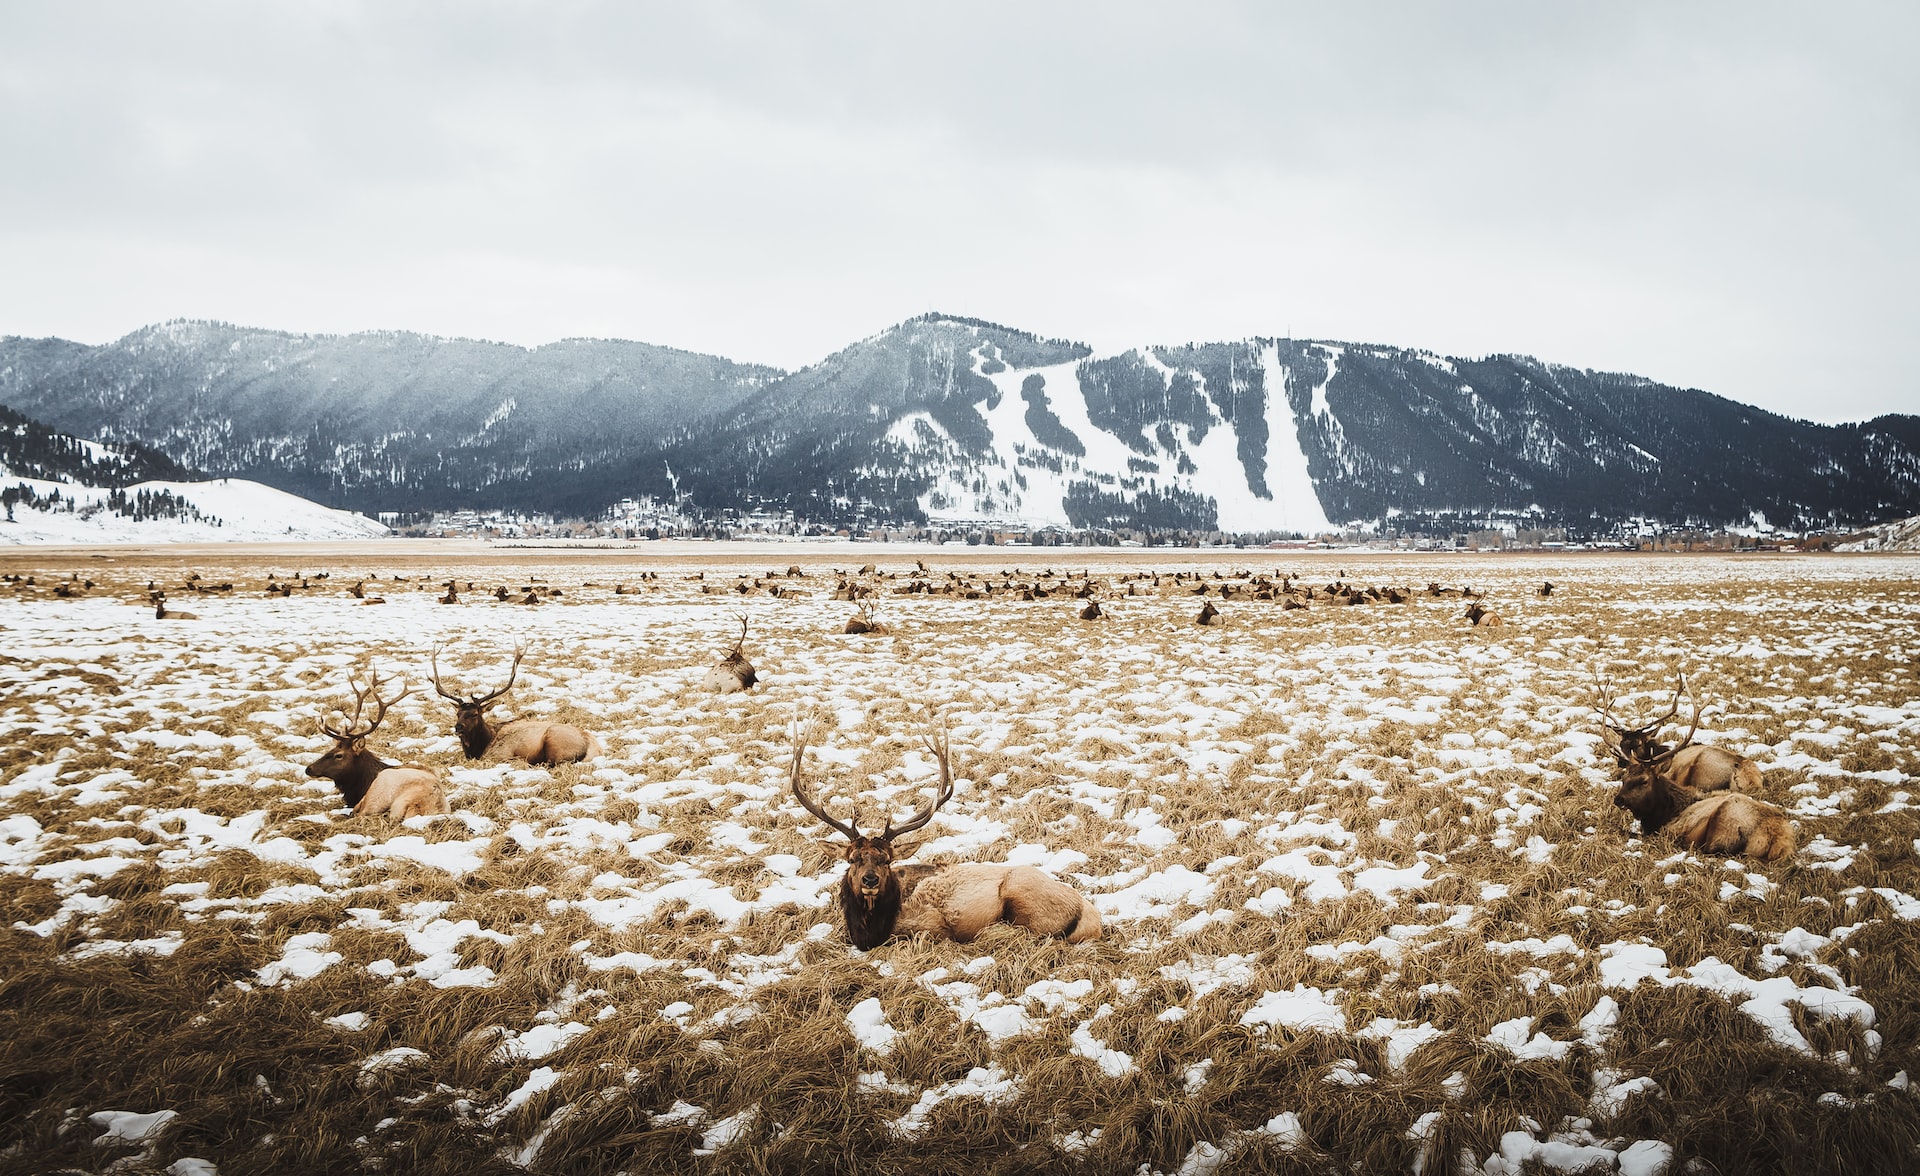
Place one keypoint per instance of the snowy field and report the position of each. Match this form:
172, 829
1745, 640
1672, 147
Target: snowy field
1368, 905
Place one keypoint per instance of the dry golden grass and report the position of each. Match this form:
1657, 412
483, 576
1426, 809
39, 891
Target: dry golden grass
580, 956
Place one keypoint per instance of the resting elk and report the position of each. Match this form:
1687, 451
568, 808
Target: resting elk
1717, 822
369, 783
1483, 618
162, 613
880, 899
534, 740
734, 674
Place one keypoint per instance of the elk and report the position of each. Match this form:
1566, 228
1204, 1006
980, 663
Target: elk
1689, 765
535, 740
863, 621
958, 902
1482, 617
1719, 822
162, 613
369, 783
734, 673
1209, 615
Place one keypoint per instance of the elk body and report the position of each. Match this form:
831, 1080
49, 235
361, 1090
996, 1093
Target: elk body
533, 740
1482, 618
369, 783
734, 674
880, 899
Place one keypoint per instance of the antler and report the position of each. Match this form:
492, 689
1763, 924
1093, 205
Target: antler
351, 730
801, 736
478, 699
1673, 710
936, 744
1603, 697
1604, 708
743, 636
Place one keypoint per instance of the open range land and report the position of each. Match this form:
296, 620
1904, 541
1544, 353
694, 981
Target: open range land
1367, 904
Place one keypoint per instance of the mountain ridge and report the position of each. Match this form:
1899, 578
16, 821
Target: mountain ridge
943, 416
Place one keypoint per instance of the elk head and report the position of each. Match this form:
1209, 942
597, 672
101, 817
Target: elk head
349, 764
869, 892
470, 720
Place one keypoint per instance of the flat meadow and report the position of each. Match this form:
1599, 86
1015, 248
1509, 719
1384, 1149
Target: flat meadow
1368, 905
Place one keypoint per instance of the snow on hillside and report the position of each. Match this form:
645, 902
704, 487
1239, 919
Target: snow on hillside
1018, 484
233, 510
1899, 535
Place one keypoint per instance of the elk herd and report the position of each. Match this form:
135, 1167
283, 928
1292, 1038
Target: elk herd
1700, 796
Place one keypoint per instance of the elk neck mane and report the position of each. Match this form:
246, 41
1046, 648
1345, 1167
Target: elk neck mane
358, 776
870, 922
475, 735
1662, 802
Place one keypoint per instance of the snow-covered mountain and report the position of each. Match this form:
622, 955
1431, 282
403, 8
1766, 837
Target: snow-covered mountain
942, 417
385, 420
956, 418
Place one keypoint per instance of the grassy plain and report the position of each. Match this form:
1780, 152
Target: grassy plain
1369, 907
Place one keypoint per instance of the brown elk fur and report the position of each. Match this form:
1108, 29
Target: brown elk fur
1209, 615
879, 899
536, 741
1481, 618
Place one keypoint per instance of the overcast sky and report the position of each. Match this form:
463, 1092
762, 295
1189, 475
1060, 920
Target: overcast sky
1716, 195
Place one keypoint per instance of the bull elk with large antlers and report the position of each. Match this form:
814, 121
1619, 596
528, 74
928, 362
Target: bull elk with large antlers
369, 783
1637, 749
880, 899
535, 740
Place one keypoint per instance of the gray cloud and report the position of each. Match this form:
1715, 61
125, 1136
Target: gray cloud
1715, 195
